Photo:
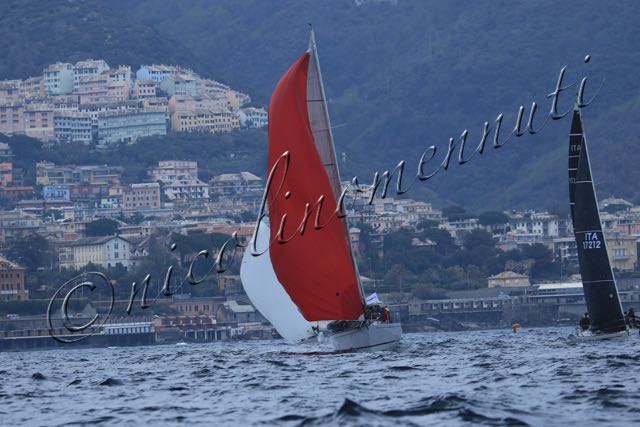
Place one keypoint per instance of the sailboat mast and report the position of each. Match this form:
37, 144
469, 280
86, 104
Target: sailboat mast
323, 138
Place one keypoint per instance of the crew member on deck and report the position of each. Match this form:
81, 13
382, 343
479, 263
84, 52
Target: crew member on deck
632, 318
585, 322
625, 316
386, 315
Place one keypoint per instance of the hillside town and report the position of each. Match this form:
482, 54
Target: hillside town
88, 219
70, 219
90, 101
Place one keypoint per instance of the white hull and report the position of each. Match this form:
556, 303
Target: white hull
373, 337
588, 336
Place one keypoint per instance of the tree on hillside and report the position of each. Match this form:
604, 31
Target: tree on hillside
31, 252
102, 227
543, 265
427, 291
493, 218
477, 238
192, 244
456, 213
399, 277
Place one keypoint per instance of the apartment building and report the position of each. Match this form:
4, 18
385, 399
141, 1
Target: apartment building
180, 84
33, 87
71, 126
93, 88
47, 173
184, 190
253, 117
105, 251
58, 78
128, 127
142, 196
39, 121
12, 281
175, 170
201, 120
12, 118
87, 68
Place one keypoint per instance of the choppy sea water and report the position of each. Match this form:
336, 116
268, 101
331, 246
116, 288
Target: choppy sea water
535, 377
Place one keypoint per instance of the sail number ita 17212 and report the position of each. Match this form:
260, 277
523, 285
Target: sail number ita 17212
591, 241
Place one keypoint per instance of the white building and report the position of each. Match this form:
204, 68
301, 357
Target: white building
542, 224
128, 127
186, 190
253, 117
106, 251
175, 170
58, 78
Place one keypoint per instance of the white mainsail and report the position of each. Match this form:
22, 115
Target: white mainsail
267, 294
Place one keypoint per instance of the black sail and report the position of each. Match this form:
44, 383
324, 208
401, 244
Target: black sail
576, 141
600, 292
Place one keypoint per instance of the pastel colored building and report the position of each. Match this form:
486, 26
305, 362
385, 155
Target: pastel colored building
10, 91
12, 281
174, 170
236, 184
5, 152
253, 117
128, 127
87, 68
120, 74
623, 251
117, 91
48, 173
93, 88
188, 103
33, 87
56, 192
509, 279
156, 73
12, 118
58, 78
181, 84
142, 196
6, 173
65, 102
205, 121
70, 126
144, 88
101, 108
39, 121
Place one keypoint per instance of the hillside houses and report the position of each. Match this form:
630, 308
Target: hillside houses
91, 102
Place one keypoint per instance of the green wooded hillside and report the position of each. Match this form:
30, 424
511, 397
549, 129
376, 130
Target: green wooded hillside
399, 76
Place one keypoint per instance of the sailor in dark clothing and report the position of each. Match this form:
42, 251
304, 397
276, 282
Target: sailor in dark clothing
585, 322
625, 315
632, 318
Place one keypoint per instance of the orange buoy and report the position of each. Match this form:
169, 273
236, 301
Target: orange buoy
515, 327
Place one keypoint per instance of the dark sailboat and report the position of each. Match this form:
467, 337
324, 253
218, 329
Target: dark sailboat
600, 291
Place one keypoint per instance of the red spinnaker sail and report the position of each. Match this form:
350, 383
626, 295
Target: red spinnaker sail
316, 269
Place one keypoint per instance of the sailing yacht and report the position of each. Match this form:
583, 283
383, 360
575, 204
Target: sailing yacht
313, 276
600, 292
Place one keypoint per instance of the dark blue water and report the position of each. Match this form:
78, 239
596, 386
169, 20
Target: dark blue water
535, 377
